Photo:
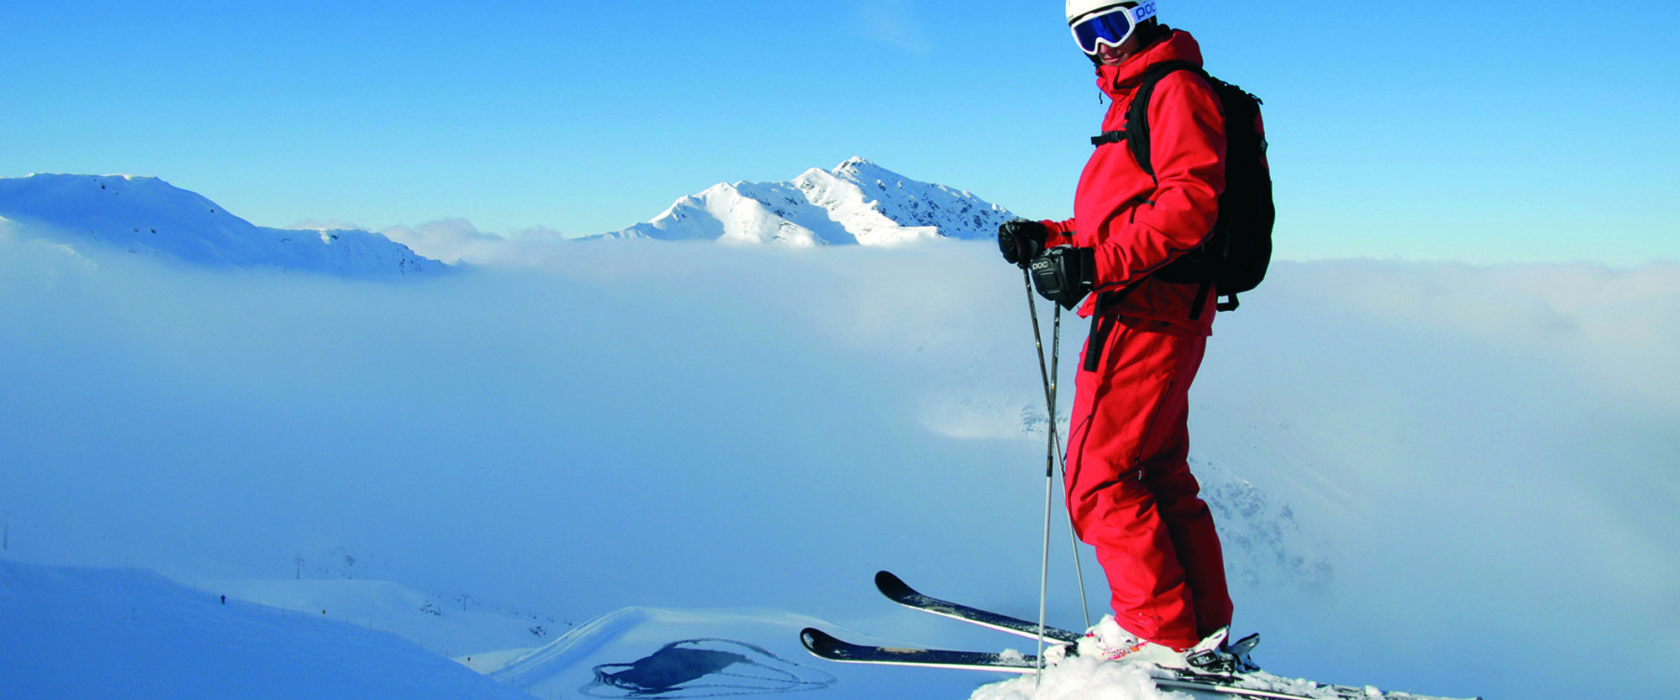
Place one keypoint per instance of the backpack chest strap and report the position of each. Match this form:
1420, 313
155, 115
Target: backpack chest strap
1108, 137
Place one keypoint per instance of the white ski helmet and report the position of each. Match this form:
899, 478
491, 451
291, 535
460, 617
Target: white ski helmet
1081, 8
1096, 23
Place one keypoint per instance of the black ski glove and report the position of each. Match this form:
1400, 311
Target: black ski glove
1065, 275
1021, 240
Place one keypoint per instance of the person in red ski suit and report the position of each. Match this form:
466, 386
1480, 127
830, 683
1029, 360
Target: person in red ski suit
1130, 493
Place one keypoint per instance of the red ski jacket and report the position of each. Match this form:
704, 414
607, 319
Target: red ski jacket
1136, 225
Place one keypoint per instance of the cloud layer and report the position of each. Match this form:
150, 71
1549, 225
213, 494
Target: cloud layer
1485, 455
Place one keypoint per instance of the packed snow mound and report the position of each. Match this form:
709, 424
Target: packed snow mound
147, 216
856, 203
1082, 679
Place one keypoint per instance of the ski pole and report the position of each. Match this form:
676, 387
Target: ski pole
1054, 455
1061, 456
1050, 466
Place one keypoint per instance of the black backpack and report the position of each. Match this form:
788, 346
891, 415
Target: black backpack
1234, 258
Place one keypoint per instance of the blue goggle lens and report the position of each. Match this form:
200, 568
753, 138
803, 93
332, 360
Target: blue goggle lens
1112, 27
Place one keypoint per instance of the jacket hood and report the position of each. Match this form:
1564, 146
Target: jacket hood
1118, 81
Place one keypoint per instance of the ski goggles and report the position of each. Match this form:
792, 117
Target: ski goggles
1111, 26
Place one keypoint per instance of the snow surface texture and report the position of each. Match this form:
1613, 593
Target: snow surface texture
1082, 679
1425, 474
858, 202
147, 216
108, 633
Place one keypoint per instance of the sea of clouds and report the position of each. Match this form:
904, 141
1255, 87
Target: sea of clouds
1484, 455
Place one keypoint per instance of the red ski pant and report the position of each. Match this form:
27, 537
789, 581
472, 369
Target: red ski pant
1130, 493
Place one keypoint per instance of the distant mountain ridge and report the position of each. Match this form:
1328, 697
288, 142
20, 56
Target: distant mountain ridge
856, 203
147, 216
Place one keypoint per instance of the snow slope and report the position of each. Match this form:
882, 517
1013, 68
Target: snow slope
454, 626
129, 633
126, 633
147, 216
858, 202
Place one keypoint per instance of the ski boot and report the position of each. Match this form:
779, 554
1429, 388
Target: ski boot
1219, 656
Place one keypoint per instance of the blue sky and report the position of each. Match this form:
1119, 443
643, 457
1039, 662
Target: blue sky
1485, 132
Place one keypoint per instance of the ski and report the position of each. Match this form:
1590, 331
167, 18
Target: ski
832, 648
1257, 685
896, 590
827, 646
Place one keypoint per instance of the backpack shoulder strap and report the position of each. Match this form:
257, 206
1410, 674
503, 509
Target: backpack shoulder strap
1137, 114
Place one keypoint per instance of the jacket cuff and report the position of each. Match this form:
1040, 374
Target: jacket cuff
1061, 233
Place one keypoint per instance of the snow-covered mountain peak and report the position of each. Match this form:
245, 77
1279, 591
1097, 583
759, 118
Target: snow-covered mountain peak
145, 215
860, 169
61, 196
858, 202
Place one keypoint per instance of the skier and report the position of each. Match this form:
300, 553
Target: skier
1130, 493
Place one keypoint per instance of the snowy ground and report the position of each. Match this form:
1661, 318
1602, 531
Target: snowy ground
1429, 473
125, 633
